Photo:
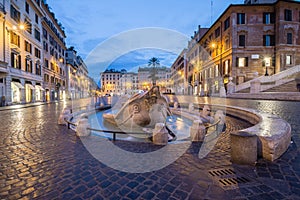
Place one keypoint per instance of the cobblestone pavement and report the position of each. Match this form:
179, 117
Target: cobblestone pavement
42, 160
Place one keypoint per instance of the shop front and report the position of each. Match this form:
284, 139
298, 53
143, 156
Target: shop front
16, 91
39, 93
29, 89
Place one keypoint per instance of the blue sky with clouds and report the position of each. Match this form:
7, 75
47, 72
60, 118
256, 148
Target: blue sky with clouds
88, 23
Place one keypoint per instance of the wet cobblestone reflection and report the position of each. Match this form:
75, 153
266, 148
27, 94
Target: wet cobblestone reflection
42, 160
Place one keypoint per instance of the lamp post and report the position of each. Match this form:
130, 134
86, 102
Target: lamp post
267, 64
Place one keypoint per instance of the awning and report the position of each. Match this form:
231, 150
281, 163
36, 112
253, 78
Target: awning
31, 86
17, 84
39, 87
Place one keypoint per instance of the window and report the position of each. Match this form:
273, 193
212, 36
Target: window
269, 40
242, 62
242, 40
38, 2
15, 39
288, 59
51, 51
14, 14
28, 26
52, 66
45, 46
217, 32
28, 65
240, 18
227, 43
45, 33
27, 46
37, 53
38, 69
226, 67
46, 63
36, 18
268, 18
15, 60
27, 7
289, 38
37, 35
216, 70
226, 23
288, 15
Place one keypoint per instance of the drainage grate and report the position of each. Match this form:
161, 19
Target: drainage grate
228, 179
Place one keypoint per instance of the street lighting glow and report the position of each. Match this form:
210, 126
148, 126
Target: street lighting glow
22, 27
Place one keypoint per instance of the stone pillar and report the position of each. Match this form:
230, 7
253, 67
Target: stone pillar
255, 86
7, 83
23, 92
222, 91
230, 86
33, 95
243, 148
197, 131
82, 127
65, 115
160, 134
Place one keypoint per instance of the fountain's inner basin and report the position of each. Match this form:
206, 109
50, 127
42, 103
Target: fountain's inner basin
177, 125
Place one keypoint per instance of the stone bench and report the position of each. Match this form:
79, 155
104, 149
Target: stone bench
273, 133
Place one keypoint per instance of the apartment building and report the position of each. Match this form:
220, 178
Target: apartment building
21, 58
162, 74
129, 83
77, 80
54, 47
110, 81
179, 74
32, 64
246, 41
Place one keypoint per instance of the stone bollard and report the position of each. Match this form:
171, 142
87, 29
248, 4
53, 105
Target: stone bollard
191, 107
197, 131
219, 116
175, 105
222, 92
255, 86
82, 127
230, 86
243, 148
160, 134
65, 115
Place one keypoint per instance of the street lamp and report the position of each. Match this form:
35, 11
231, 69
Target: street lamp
267, 64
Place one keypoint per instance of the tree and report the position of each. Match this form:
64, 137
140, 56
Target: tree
153, 63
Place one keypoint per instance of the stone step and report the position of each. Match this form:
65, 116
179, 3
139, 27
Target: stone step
287, 87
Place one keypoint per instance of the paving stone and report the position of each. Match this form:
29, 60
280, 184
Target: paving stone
148, 195
52, 160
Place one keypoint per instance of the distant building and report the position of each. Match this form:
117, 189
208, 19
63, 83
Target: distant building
77, 75
163, 75
179, 74
110, 81
129, 83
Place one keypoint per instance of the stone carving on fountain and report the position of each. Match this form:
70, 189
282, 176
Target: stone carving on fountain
140, 111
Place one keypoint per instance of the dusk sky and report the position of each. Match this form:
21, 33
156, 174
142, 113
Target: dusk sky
89, 23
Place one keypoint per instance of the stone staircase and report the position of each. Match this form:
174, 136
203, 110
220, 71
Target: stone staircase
287, 87
285, 81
